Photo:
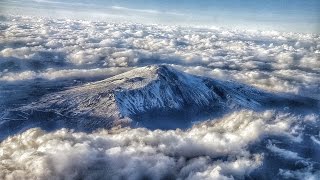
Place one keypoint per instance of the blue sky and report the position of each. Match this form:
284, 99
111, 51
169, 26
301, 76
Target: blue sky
282, 15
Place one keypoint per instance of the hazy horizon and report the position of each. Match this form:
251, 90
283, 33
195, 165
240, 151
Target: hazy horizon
283, 15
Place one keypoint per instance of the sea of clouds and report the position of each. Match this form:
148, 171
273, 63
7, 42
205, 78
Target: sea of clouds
52, 49
219, 149
40, 53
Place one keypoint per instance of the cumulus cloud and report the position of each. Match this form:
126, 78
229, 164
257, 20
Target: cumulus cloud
275, 61
217, 149
51, 74
307, 173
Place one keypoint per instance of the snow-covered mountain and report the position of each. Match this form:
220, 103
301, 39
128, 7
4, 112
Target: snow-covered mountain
149, 95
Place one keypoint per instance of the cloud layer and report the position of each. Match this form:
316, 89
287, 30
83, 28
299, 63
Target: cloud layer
44, 48
210, 150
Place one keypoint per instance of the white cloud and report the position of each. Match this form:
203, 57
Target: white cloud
151, 11
307, 173
22, 53
148, 11
138, 153
60, 2
275, 61
52, 74
315, 140
283, 152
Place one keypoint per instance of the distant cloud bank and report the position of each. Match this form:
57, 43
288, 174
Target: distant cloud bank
50, 49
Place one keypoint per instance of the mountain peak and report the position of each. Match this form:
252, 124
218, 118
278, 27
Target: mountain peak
151, 93
148, 71
162, 68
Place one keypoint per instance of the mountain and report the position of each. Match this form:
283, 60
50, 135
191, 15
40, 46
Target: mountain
155, 96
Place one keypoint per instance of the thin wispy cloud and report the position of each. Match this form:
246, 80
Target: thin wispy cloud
63, 3
116, 8
48, 1
149, 11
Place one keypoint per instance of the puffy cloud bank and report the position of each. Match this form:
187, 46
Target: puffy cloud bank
33, 48
220, 149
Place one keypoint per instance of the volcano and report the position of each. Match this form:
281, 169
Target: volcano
156, 96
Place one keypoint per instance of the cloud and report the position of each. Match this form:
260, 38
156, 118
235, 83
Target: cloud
46, 1
275, 61
315, 140
308, 173
52, 74
141, 153
60, 2
136, 10
148, 11
22, 53
282, 152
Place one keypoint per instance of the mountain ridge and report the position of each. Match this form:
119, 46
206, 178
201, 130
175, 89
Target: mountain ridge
156, 94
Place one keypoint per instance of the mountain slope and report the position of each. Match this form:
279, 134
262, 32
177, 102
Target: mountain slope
156, 97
